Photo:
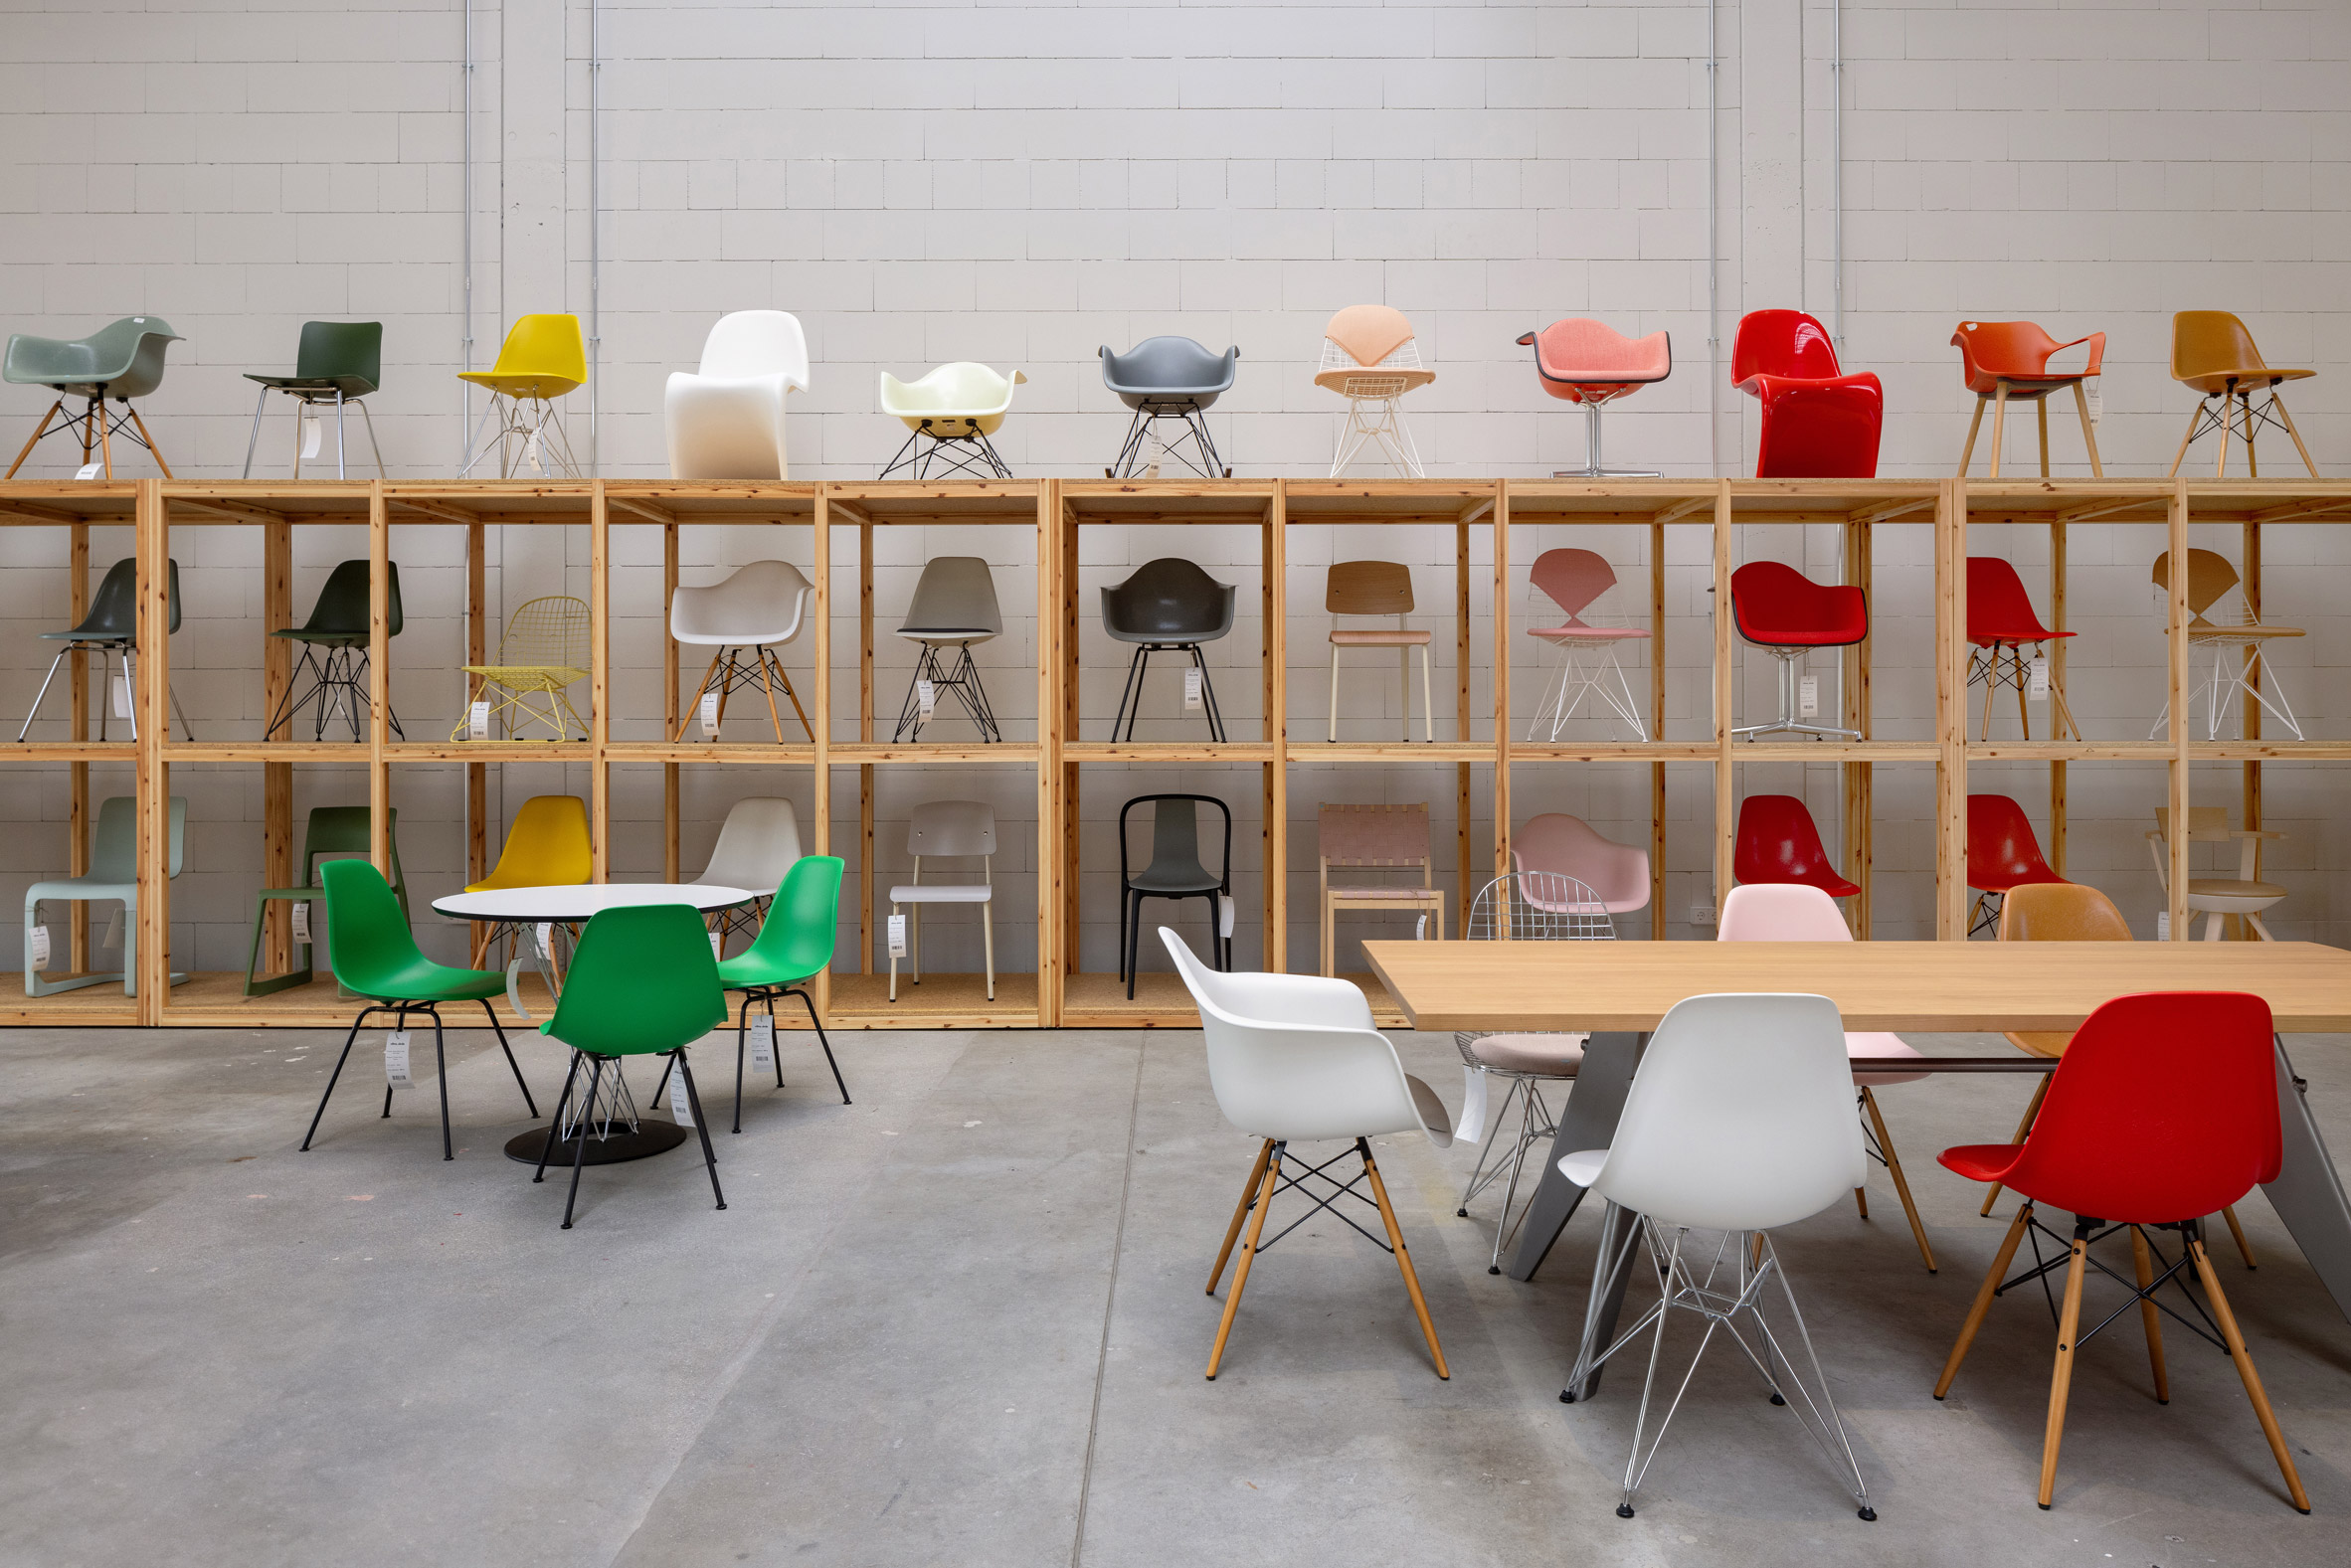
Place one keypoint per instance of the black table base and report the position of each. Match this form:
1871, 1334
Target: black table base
650, 1138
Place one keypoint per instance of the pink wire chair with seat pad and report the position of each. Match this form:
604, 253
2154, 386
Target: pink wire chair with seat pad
1574, 579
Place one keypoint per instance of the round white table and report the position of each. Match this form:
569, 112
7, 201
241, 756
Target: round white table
623, 1135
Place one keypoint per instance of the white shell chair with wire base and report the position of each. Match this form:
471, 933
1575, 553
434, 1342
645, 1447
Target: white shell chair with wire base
1735, 1124
725, 418
756, 611
951, 416
543, 653
1294, 1059
1370, 359
758, 844
954, 605
955, 829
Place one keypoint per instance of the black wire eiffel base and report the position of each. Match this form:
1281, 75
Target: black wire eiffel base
1131, 699
338, 679
961, 677
1142, 434
931, 455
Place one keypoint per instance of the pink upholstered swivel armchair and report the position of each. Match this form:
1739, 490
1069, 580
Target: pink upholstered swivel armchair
1586, 362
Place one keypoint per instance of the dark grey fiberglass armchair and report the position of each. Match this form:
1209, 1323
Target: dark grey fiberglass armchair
1168, 378
121, 361
1167, 606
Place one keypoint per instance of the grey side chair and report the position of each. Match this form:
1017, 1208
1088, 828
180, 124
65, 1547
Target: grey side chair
121, 361
954, 607
112, 626
1167, 606
113, 874
337, 363
1168, 378
1175, 871
335, 651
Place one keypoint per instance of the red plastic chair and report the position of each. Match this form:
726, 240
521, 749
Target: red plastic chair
2163, 1109
1778, 843
2007, 361
2000, 621
2002, 855
1776, 607
1590, 363
1818, 421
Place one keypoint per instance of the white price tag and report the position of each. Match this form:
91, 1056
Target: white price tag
122, 694
1224, 917
544, 933
1420, 928
681, 1103
1191, 689
897, 935
1808, 697
2094, 397
113, 935
37, 948
926, 699
717, 950
313, 437
763, 1044
2036, 681
708, 714
88, 471
396, 1071
301, 922
530, 450
477, 721
2163, 924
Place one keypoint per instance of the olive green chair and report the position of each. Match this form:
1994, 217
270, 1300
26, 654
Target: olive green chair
113, 874
332, 830
112, 626
337, 363
334, 650
375, 954
122, 361
643, 982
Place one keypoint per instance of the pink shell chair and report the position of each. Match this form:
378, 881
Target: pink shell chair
1573, 580
1589, 363
1617, 874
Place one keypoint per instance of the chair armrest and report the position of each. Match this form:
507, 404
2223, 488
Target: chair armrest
2097, 351
1771, 389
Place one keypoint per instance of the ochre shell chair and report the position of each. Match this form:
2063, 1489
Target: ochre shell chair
2213, 355
1818, 421
543, 358
2008, 361
121, 361
1587, 362
950, 415
1370, 359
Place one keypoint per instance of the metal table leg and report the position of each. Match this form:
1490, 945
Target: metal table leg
1589, 1122
2308, 1194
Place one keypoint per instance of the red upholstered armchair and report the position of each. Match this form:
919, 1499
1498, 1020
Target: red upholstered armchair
1818, 421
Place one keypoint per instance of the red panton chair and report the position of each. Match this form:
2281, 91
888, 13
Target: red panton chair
2000, 621
1586, 362
1818, 421
2163, 1109
2008, 361
2002, 855
1778, 843
1778, 608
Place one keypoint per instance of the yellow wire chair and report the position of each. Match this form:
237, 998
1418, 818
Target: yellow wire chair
544, 651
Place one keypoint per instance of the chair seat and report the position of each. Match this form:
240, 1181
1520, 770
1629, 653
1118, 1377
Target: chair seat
93, 639
1148, 881
942, 893
1536, 1055
2036, 877
2049, 1044
1981, 1161
533, 673
947, 633
2026, 388
1827, 881
512, 386
1769, 636
2028, 631
748, 971
1336, 380
352, 388
324, 640
1881, 1044
1585, 634
1375, 638
423, 980
1390, 895
79, 888
2213, 383
2229, 896
2220, 634
1592, 391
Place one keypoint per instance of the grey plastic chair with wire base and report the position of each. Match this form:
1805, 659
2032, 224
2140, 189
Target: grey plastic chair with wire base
334, 650
1174, 872
954, 605
113, 874
121, 361
332, 830
1167, 606
1168, 378
337, 363
112, 626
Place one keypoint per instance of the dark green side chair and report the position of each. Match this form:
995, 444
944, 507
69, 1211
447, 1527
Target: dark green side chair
334, 650
111, 627
121, 361
643, 982
375, 955
793, 947
336, 362
332, 830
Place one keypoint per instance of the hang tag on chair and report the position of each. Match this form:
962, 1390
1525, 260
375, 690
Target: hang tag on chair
530, 452
313, 437
477, 721
396, 1073
1420, 928
1192, 682
707, 714
681, 1103
120, 689
544, 935
1224, 917
2036, 681
301, 922
926, 699
2094, 397
1808, 697
763, 1044
2163, 924
113, 935
90, 470
37, 948
897, 935
717, 946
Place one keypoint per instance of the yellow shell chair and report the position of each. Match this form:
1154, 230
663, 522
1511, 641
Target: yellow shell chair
546, 848
544, 651
543, 358
950, 414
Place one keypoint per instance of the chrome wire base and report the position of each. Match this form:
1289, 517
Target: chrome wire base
1536, 1126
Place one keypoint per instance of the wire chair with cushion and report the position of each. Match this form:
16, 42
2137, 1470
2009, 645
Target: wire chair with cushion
542, 654
1999, 623
1525, 905
2213, 355
1377, 837
1379, 587
2210, 578
1574, 579
950, 415
725, 419
1780, 609
121, 360
1175, 872
114, 875
1567, 846
332, 830
2004, 362
544, 358
956, 830
1168, 378
111, 625
334, 653
1370, 359
2244, 895
1592, 364
1777, 842
2002, 857
335, 362
1293, 1059
758, 846
744, 618
1166, 606
954, 607
2121, 1148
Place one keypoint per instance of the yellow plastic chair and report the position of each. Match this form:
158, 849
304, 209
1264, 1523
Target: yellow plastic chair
543, 358
544, 651
547, 847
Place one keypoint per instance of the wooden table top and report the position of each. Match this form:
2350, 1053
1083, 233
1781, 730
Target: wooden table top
1955, 986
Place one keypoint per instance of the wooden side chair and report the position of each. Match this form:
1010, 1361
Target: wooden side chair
1388, 837
2244, 895
1379, 587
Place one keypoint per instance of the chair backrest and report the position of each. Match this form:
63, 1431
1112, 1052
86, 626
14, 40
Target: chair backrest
549, 633
1295, 1056
2210, 576
747, 343
758, 844
1568, 847
1780, 911
344, 830
1575, 349
963, 388
544, 345
1168, 597
2163, 1108
331, 350
643, 980
368, 940
342, 609
951, 827
1369, 334
761, 602
1172, 365
2206, 824
2061, 911
114, 844
2208, 342
803, 922
1571, 578
1176, 838
1783, 343
1739, 1117
1369, 588
2000, 842
114, 608
954, 597
1539, 906
1770, 599
1997, 605
1375, 835
546, 848
1777, 841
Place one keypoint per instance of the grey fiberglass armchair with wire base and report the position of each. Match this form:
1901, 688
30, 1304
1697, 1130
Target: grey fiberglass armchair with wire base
1168, 378
954, 605
336, 363
1167, 606
113, 874
1174, 872
112, 626
122, 360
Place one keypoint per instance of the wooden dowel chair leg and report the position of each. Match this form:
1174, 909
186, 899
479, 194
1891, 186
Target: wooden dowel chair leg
2181, 456
2061, 1380
1967, 453
2279, 404
2090, 435
2022, 1127
2244, 1247
2149, 1318
40, 432
1983, 1298
2244, 1371
1240, 1211
1893, 1168
153, 451
1240, 1270
1396, 1239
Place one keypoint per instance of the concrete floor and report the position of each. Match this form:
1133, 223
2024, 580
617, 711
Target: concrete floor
960, 1322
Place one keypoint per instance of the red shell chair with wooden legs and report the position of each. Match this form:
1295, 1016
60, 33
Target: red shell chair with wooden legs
2008, 361
2163, 1109
1778, 843
1778, 608
2002, 857
2000, 621
1818, 421
1587, 362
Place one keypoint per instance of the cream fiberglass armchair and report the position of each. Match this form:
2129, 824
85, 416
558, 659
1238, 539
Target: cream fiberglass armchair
726, 419
950, 414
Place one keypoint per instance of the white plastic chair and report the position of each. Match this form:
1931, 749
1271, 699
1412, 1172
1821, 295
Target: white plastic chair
962, 829
1735, 1123
958, 406
1293, 1058
757, 844
1792, 912
726, 419
746, 618
954, 605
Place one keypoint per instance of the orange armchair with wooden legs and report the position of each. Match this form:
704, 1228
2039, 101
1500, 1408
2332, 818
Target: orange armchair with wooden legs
2008, 361
2213, 355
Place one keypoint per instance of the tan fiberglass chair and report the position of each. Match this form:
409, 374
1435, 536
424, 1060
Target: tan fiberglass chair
1369, 357
2214, 355
952, 411
2210, 578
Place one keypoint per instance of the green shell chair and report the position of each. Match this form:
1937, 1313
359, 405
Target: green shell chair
113, 874
332, 830
111, 627
334, 650
122, 361
337, 363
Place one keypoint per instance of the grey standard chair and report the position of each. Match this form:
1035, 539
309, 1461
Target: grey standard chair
1167, 606
121, 361
337, 363
1175, 871
112, 626
954, 607
1168, 378
113, 874
334, 650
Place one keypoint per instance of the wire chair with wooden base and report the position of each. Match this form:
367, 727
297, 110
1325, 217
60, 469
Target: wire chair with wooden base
2005, 362
2213, 355
1379, 587
2210, 578
1377, 837
543, 653
757, 610
2000, 625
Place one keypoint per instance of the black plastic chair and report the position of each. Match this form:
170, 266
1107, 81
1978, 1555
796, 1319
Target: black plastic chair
111, 627
1168, 378
1167, 606
334, 650
1174, 872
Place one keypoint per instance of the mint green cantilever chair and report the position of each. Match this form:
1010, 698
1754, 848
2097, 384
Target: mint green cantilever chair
121, 361
332, 830
113, 874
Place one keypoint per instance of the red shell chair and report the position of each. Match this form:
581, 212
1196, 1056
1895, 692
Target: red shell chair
2000, 621
2008, 361
1818, 421
1778, 843
2163, 1109
1776, 607
2002, 855
1587, 362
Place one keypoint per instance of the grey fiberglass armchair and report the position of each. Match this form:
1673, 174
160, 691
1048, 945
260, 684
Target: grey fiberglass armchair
113, 874
112, 626
1168, 378
121, 361
1167, 606
954, 605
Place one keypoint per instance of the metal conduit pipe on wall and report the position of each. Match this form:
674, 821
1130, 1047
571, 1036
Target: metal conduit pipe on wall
595, 246
1714, 250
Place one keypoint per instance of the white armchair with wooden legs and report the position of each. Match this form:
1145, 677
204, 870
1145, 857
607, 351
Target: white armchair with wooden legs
745, 620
